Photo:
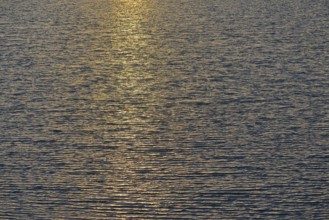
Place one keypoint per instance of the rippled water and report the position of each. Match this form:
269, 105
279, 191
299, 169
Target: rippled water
190, 109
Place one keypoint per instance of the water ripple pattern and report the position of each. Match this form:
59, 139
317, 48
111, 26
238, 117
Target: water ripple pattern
149, 109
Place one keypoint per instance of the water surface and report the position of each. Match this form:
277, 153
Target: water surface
130, 109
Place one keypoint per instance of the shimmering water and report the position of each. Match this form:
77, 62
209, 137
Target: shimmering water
189, 109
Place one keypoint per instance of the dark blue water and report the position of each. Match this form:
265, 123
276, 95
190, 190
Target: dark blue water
149, 109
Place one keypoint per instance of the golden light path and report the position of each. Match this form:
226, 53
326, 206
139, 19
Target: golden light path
121, 111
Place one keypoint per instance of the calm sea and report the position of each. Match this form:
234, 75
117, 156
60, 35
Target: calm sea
164, 109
